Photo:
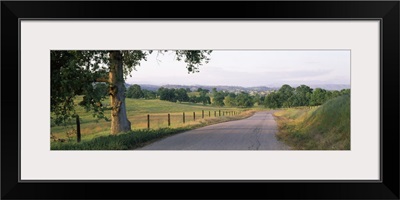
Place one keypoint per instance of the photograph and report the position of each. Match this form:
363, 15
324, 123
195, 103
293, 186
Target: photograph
299, 96
212, 99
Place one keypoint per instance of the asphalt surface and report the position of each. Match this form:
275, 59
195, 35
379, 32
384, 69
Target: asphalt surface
254, 133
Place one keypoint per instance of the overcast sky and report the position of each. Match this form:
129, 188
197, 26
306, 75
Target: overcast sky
249, 68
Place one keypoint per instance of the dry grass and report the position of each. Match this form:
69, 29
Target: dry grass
137, 138
321, 128
137, 111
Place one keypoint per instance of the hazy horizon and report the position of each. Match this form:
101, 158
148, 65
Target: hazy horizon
276, 85
246, 68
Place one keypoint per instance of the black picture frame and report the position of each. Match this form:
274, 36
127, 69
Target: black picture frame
386, 11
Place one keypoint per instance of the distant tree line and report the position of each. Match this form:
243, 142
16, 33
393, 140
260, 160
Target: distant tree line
202, 98
166, 94
242, 99
173, 95
136, 92
302, 95
285, 97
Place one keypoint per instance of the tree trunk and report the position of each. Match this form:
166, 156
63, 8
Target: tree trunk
119, 120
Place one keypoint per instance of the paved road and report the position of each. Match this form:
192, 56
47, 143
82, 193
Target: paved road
254, 133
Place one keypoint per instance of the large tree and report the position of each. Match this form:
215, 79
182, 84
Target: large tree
244, 100
135, 92
286, 92
75, 72
272, 100
302, 95
229, 101
318, 97
181, 95
218, 98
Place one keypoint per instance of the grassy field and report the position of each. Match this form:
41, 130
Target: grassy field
138, 138
326, 127
137, 111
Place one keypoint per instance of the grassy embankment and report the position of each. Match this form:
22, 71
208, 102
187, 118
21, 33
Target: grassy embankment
326, 127
96, 134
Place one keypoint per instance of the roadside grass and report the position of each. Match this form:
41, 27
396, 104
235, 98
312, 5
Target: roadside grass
137, 111
326, 127
137, 138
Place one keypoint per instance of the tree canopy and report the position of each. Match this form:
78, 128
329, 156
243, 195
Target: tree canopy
77, 72
218, 97
302, 95
135, 92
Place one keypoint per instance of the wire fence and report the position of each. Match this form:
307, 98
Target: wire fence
173, 120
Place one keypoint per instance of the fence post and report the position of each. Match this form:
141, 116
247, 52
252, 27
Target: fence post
169, 120
223, 113
194, 116
209, 113
202, 114
219, 112
78, 129
183, 117
215, 113
148, 121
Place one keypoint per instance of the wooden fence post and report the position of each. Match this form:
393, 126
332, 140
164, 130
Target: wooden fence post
148, 121
78, 129
202, 114
183, 117
219, 111
194, 116
209, 113
169, 120
215, 113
